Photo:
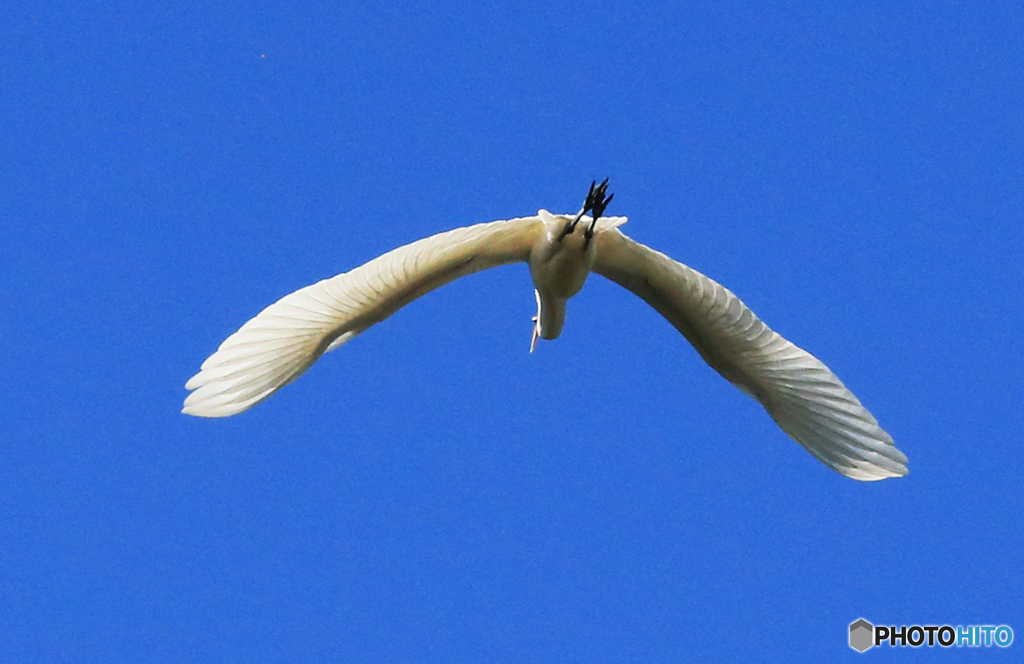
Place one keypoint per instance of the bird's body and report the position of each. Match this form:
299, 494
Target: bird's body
800, 393
559, 266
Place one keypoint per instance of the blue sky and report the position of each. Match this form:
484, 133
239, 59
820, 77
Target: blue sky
432, 492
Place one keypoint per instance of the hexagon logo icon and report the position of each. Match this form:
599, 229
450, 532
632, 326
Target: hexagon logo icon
861, 635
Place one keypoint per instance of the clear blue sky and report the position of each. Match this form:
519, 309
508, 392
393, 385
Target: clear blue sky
432, 492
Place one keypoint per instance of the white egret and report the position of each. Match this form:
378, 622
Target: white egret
800, 393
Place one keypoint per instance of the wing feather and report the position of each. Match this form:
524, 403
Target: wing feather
801, 394
286, 338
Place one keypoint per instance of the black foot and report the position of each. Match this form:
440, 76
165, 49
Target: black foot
596, 202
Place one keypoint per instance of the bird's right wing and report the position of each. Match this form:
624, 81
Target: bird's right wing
801, 394
287, 337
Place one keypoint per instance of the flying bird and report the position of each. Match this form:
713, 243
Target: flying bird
800, 393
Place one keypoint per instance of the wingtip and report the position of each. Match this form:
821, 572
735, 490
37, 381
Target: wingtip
872, 471
193, 411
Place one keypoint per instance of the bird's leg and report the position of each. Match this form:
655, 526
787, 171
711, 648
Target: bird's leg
595, 195
570, 226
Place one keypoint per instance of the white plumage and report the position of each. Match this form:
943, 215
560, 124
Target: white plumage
800, 393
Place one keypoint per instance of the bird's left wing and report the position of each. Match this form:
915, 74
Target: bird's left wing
801, 394
287, 337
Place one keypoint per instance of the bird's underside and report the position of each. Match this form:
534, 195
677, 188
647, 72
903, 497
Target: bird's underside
800, 393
